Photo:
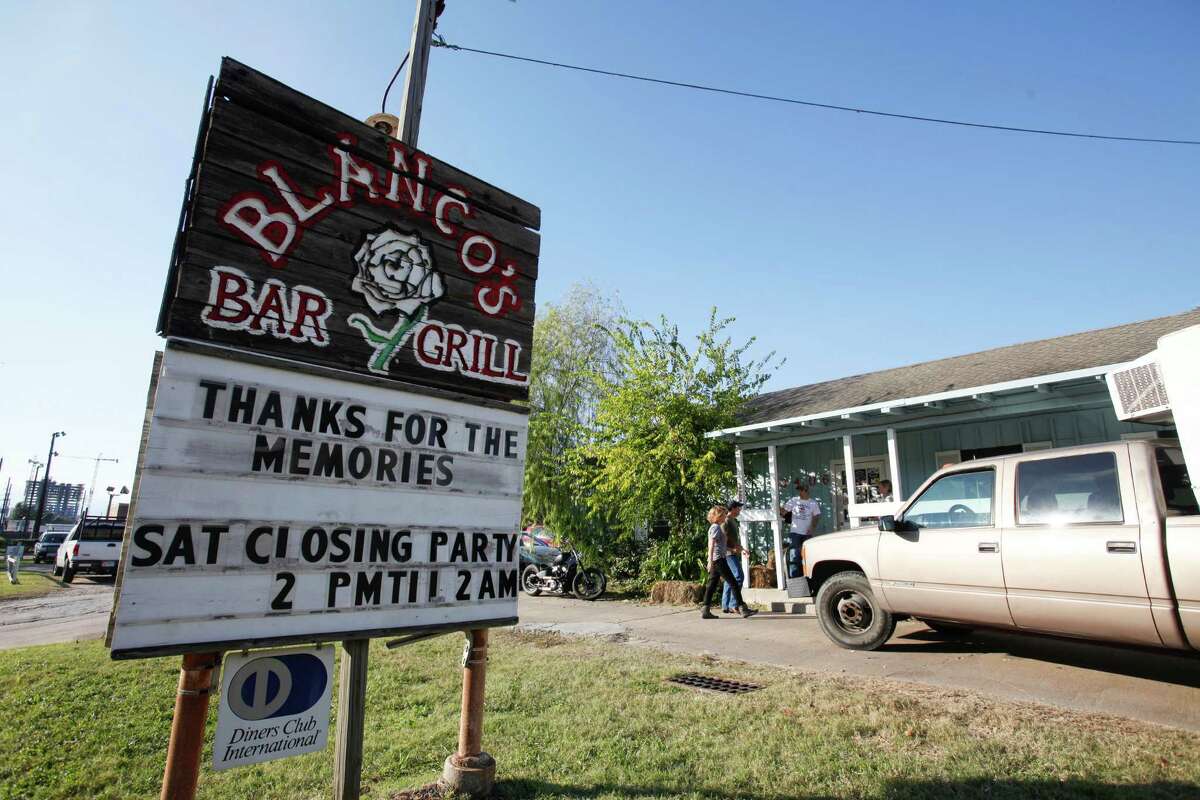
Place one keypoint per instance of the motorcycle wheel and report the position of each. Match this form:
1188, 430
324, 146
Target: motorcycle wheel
529, 581
589, 584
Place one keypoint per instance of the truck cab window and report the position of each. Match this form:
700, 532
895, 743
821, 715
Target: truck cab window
1072, 490
958, 500
1177, 488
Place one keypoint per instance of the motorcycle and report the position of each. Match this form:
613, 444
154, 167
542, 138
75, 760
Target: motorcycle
564, 574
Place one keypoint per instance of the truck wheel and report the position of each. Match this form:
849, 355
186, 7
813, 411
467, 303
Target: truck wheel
57, 569
850, 615
948, 628
68, 574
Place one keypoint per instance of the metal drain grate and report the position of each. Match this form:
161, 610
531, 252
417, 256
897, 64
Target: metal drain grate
708, 683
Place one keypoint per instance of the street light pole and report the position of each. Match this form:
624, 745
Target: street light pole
112, 492
37, 522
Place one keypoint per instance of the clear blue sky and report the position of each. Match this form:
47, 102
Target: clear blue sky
847, 243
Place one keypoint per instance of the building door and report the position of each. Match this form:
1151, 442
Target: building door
1072, 555
944, 560
868, 472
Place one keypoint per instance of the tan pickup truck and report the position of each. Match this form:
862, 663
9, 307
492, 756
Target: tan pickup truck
1098, 542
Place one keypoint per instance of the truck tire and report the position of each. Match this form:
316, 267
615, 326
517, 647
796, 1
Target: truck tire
68, 574
948, 628
57, 570
850, 614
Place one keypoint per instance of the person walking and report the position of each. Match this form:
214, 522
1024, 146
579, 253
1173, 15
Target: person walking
804, 511
718, 567
733, 544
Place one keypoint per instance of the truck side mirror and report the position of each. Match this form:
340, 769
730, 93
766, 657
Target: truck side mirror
887, 523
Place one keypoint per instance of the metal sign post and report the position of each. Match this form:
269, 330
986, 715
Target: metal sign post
470, 770
182, 769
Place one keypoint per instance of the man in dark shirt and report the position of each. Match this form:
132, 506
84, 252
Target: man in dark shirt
733, 540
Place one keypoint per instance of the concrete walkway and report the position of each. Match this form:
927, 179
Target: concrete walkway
1147, 685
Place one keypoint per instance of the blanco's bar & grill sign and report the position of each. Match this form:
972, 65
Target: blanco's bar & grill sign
331, 449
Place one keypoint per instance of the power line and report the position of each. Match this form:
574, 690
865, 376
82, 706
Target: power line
439, 42
383, 106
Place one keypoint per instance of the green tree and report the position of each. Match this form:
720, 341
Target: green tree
573, 360
649, 457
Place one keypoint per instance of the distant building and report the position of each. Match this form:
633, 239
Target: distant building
62, 499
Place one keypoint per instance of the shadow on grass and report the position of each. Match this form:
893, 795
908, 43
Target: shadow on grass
1164, 666
1004, 789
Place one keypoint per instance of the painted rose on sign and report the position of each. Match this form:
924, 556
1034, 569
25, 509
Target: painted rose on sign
395, 272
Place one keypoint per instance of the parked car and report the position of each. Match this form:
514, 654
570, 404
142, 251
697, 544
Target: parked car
47, 546
1098, 542
537, 547
93, 547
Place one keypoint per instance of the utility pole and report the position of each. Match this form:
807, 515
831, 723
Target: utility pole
34, 471
461, 771
4, 508
469, 770
37, 521
418, 66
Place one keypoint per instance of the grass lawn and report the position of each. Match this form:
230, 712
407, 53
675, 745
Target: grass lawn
32, 584
590, 719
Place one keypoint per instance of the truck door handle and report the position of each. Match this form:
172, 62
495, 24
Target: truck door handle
1122, 547
989, 547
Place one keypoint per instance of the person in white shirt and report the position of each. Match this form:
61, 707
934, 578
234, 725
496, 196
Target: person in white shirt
804, 511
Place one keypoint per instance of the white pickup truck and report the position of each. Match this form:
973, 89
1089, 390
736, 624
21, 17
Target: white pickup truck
1099, 542
92, 547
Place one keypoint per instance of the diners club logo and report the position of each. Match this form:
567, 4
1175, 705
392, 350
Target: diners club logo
392, 269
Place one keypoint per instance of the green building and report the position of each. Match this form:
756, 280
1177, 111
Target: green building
902, 424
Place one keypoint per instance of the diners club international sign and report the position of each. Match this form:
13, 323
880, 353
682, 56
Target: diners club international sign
311, 236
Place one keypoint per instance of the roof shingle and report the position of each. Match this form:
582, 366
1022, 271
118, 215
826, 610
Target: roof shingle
1014, 362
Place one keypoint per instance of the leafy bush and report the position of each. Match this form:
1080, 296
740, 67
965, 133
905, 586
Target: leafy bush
676, 558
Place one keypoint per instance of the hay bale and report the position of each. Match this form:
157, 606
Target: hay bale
762, 577
676, 593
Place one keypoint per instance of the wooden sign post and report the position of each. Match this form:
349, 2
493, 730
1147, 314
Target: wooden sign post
332, 450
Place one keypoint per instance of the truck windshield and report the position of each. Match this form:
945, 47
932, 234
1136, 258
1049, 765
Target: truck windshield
102, 532
1177, 486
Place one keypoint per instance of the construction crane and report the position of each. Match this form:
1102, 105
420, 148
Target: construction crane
95, 471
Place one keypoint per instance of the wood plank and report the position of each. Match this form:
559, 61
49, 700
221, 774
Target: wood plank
241, 139
319, 372
219, 555
334, 249
350, 350
206, 250
247, 86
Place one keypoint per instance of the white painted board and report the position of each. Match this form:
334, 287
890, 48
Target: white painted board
273, 704
277, 507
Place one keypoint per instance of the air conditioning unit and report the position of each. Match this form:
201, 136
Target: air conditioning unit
1138, 391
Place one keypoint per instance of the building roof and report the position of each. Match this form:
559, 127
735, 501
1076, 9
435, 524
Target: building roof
1063, 354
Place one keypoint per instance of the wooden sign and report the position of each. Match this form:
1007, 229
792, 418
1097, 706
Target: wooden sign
311, 236
277, 506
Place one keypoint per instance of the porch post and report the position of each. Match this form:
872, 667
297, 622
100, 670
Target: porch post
776, 528
894, 465
848, 457
741, 496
